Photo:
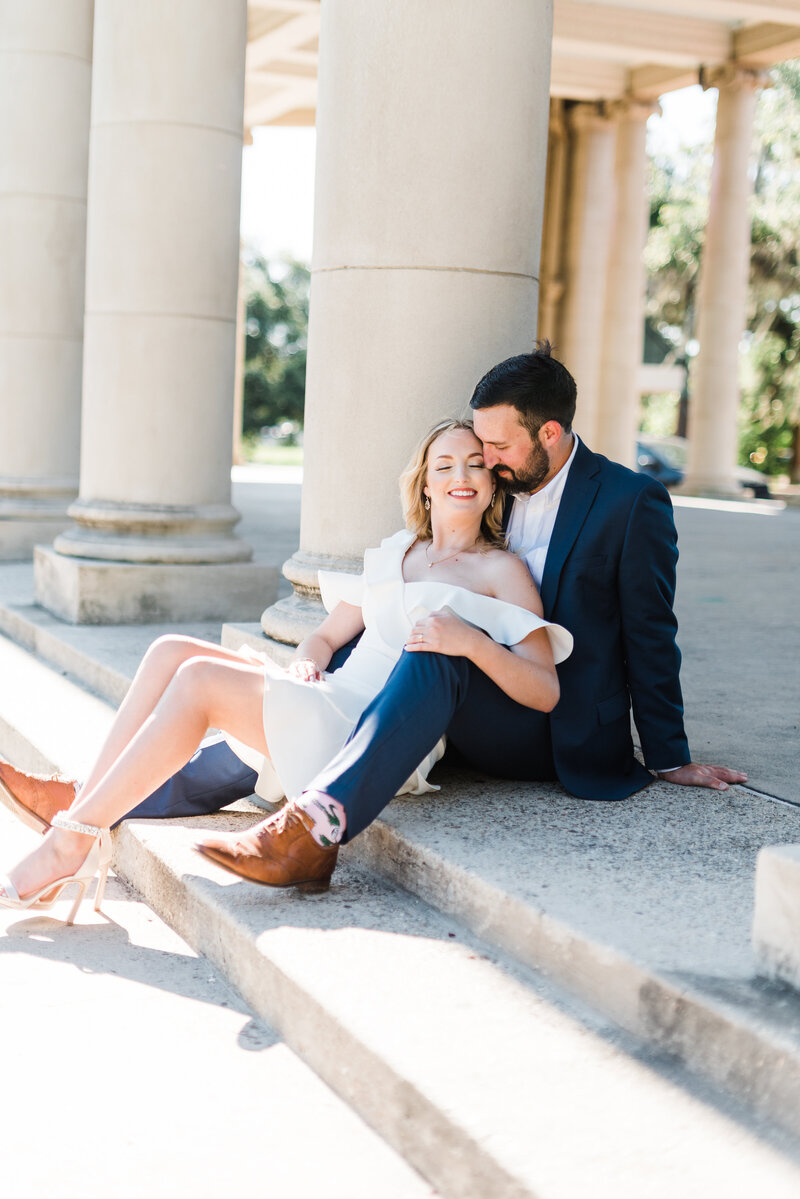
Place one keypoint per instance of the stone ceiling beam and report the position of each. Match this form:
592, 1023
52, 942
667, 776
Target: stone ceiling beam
587, 79
635, 36
786, 12
781, 12
650, 82
763, 45
288, 6
284, 41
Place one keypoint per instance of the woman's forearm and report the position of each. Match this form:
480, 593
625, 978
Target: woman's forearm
528, 682
316, 648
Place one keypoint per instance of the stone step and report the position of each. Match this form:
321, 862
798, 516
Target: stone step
642, 909
103, 658
776, 933
485, 1078
165, 1079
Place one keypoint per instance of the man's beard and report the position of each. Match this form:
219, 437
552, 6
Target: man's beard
532, 474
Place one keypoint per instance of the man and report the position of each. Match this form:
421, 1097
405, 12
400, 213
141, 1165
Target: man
600, 543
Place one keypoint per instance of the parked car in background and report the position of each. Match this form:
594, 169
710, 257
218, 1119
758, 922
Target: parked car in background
665, 459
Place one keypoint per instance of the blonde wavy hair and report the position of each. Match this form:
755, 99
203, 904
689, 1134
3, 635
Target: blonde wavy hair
412, 495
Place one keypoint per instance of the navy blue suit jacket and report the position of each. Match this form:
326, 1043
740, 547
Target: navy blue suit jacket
609, 577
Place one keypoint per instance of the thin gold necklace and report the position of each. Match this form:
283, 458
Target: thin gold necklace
463, 550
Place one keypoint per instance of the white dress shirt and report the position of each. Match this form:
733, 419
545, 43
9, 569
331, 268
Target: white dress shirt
533, 518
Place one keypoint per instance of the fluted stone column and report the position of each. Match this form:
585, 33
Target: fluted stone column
591, 200
552, 283
238, 370
45, 86
431, 147
623, 310
722, 295
153, 535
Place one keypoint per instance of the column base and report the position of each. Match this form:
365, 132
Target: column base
170, 534
291, 619
31, 513
18, 537
95, 592
776, 939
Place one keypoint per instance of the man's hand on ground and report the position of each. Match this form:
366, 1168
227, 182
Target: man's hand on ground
695, 774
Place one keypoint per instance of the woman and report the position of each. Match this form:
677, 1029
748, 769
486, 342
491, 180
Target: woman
446, 571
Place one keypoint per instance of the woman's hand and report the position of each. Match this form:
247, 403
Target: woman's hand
305, 669
315, 651
443, 632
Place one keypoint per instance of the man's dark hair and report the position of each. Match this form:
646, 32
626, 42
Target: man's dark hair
536, 384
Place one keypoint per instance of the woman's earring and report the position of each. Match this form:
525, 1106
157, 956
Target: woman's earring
494, 497
427, 503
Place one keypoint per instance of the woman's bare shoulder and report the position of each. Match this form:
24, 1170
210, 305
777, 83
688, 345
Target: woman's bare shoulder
511, 579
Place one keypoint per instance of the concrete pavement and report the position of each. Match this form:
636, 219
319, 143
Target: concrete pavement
739, 631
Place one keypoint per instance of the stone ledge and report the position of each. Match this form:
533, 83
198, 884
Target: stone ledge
93, 592
612, 927
18, 538
467, 1065
776, 918
607, 899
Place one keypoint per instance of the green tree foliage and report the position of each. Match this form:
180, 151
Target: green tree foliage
770, 411
678, 212
276, 338
770, 414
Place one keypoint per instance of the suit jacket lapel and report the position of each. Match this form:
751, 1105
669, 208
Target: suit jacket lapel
579, 492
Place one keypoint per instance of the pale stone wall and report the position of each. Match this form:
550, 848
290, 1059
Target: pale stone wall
623, 310
45, 85
160, 328
591, 199
429, 198
722, 297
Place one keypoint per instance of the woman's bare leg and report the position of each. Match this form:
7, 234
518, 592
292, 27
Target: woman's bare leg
154, 674
204, 692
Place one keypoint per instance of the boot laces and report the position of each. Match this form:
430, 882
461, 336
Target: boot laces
288, 815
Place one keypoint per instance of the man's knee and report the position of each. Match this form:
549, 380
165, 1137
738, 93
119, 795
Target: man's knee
429, 665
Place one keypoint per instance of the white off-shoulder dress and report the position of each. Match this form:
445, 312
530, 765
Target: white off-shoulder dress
306, 723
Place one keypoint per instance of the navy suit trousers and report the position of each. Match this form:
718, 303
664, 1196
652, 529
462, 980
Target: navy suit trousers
213, 778
426, 695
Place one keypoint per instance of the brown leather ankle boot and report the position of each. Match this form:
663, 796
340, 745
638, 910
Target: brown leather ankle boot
279, 851
34, 798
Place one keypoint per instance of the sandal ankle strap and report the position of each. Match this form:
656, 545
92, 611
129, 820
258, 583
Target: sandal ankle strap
62, 820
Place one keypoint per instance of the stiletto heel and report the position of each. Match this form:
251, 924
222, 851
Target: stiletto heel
101, 887
97, 859
78, 901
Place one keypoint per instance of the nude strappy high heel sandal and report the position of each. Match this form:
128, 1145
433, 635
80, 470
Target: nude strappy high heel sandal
97, 860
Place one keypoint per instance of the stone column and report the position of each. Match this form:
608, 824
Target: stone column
722, 293
623, 311
431, 147
153, 536
552, 282
591, 201
45, 86
238, 371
